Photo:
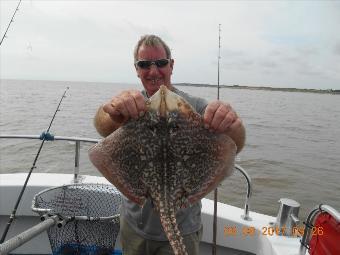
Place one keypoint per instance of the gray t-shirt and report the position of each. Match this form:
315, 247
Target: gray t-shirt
145, 220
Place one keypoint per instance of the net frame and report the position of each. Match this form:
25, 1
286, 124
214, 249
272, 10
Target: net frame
89, 217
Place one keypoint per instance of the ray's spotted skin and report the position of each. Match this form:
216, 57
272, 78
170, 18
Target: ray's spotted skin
166, 155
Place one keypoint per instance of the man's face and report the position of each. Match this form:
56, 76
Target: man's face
153, 77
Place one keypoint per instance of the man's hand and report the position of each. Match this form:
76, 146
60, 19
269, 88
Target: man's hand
128, 104
221, 118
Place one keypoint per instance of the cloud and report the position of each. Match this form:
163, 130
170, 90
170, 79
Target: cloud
94, 40
143, 29
307, 51
309, 72
268, 64
232, 53
336, 49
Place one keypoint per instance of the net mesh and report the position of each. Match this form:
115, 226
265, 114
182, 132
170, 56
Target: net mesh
82, 236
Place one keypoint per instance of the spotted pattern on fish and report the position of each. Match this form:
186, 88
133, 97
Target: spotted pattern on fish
168, 156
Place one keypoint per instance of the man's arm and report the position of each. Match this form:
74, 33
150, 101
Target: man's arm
103, 122
116, 112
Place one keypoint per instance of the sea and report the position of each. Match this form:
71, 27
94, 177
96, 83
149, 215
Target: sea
292, 147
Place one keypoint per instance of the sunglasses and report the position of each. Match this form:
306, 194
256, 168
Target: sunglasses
146, 64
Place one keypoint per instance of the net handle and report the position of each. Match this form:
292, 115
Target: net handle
27, 235
87, 218
76, 217
40, 210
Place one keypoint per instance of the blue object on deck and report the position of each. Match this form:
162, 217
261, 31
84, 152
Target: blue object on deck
73, 248
48, 136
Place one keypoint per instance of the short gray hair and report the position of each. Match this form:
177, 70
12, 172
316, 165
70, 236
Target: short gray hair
151, 40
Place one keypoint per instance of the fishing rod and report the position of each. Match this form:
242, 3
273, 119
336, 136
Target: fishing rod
45, 135
218, 61
218, 97
10, 22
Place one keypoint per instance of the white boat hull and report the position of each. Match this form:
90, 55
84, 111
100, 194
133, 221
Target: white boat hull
241, 241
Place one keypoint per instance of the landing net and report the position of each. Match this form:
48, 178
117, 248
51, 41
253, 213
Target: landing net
89, 216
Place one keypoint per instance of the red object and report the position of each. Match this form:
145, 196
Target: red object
325, 236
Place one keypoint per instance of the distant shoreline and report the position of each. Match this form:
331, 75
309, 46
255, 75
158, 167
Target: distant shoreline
321, 91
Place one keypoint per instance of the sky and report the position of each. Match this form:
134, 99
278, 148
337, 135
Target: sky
263, 43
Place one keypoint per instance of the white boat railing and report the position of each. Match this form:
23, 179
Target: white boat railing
78, 140
50, 137
246, 216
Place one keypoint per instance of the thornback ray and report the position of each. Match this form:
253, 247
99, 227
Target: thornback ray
166, 155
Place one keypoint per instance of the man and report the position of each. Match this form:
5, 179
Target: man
141, 230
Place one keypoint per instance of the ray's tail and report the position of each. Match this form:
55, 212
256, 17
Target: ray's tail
169, 223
